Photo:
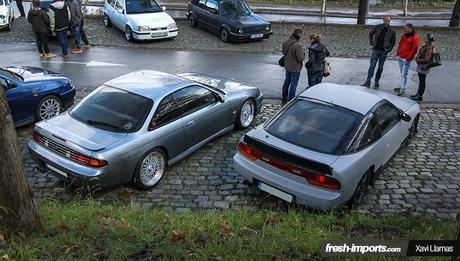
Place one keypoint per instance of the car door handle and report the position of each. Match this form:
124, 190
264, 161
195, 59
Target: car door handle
190, 123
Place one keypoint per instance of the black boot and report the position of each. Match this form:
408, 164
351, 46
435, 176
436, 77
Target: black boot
417, 97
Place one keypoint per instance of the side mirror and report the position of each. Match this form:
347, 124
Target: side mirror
214, 11
120, 10
164, 8
405, 117
219, 97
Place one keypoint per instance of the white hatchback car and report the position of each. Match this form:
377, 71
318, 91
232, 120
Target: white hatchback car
6, 14
139, 19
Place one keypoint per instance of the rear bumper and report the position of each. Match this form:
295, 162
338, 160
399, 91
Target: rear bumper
68, 170
149, 35
302, 193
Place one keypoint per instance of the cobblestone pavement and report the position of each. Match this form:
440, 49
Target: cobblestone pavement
342, 40
423, 178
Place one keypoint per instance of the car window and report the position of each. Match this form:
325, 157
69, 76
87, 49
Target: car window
387, 116
370, 132
315, 125
142, 7
111, 2
235, 8
193, 98
201, 3
211, 5
3, 83
118, 5
167, 112
114, 110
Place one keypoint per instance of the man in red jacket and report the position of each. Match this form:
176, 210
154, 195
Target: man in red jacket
408, 47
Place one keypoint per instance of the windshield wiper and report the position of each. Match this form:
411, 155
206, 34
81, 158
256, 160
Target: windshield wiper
101, 123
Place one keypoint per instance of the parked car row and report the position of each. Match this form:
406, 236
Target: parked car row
321, 150
6, 14
147, 20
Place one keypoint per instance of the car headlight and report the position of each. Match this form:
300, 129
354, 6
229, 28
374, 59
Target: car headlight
2, 17
267, 28
240, 30
172, 26
143, 28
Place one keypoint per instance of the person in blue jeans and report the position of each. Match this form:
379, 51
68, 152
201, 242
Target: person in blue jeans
382, 39
293, 59
76, 18
59, 15
407, 49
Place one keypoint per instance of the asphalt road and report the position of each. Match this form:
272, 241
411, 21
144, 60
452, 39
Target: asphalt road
100, 64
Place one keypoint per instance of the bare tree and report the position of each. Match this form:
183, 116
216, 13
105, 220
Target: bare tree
455, 19
17, 208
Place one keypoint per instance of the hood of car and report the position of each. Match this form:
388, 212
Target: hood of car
29, 73
224, 84
65, 128
3, 10
250, 20
153, 20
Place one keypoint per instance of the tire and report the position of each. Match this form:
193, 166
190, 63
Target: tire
48, 107
107, 21
192, 21
246, 114
361, 191
129, 34
150, 169
224, 35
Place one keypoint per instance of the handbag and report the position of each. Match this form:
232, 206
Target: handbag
434, 61
327, 69
281, 60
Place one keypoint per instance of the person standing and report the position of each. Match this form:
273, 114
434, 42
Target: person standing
408, 47
82, 31
76, 17
41, 26
382, 39
293, 59
317, 52
21, 9
424, 56
59, 15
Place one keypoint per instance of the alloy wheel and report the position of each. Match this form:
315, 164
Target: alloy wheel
152, 168
49, 108
247, 113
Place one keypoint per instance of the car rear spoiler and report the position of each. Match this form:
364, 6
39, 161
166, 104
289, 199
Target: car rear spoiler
290, 158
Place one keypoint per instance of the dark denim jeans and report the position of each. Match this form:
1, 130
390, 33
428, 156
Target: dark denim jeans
380, 57
62, 38
314, 77
290, 85
77, 34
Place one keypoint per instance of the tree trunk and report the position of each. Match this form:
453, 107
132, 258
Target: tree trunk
406, 2
455, 19
362, 11
457, 237
17, 207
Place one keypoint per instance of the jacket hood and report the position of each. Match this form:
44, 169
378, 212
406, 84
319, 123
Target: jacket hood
58, 4
35, 12
317, 47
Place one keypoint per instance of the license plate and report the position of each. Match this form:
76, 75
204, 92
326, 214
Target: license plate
159, 34
253, 36
56, 170
275, 192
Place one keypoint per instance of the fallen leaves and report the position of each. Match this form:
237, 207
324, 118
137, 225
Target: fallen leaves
123, 224
4, 257
2, 239
70, 248
225, 230
271, 221
99, 254
177, 235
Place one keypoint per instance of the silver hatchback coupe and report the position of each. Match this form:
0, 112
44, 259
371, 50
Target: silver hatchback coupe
325, 147
132, 127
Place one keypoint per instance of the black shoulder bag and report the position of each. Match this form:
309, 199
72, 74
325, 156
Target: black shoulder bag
281, 60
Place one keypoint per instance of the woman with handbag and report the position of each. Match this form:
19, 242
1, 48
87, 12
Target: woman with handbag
424, 57
317, 52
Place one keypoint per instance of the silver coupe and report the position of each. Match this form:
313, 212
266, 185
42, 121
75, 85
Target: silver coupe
132, 127
325, 147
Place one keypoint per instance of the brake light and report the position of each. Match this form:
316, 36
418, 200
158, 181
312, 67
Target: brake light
311, 177
75, 156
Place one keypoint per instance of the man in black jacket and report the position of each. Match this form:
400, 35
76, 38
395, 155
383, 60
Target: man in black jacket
41, 26
382, 39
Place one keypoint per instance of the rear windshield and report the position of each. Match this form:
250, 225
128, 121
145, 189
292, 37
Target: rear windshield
235, 8
114, 110
315, 125
142, 6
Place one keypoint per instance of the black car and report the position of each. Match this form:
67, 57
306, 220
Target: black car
231, 19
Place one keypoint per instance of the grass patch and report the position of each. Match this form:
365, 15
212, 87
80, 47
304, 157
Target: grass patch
354, 3
90, 230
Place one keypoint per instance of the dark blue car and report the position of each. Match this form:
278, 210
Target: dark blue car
35, 94
230, 19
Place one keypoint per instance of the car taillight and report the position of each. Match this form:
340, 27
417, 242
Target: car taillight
75, 156
311, 177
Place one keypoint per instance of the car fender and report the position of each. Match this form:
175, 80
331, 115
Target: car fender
225, 26
132, 24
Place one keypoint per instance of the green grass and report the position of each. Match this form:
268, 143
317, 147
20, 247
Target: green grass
354, 3
90, 230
